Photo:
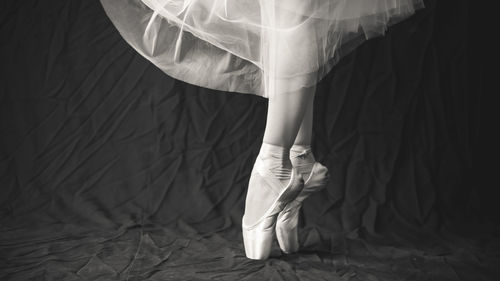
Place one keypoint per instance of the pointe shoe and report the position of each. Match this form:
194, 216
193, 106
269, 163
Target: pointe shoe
258, 236
287, 222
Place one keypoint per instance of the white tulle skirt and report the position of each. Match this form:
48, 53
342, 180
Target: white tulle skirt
262, 47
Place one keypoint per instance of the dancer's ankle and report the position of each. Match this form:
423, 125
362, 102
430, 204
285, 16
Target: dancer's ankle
302, 158
277, 159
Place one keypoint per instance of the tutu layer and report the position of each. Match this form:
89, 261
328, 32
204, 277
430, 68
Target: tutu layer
262, 47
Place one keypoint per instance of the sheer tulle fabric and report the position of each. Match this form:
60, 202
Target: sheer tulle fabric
263, 47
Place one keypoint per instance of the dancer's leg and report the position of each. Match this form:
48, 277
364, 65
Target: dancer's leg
273, 182
290, 47
301, 154
285, 52
315, 177
285, 115
286, 109
304, 136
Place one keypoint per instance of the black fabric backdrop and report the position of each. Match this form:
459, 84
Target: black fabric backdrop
111, 170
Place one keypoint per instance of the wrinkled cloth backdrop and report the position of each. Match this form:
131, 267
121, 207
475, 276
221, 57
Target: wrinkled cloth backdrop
111, 170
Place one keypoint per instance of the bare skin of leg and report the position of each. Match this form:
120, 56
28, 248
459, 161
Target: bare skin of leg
304, 136
289, 118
